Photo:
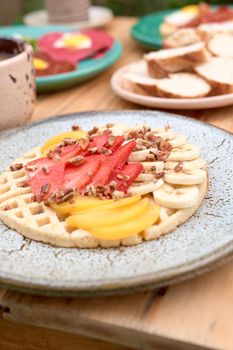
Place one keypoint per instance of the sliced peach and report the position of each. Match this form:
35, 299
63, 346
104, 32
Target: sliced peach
79, 204
128, 229
118, 203
51, 143
109, 218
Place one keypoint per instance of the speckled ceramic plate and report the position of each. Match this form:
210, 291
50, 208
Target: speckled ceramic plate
202, 242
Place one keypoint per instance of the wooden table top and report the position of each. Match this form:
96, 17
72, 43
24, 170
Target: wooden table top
195, 314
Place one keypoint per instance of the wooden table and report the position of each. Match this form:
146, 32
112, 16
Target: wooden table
196, 314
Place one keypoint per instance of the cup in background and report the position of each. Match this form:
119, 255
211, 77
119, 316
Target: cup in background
67, 11
17, 83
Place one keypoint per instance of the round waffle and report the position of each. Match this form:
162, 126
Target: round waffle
179, 190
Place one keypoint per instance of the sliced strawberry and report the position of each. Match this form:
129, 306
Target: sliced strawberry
67, 152
123, 153
125, 177
77, 177
117, 143
52, 180
103, 176
99, 141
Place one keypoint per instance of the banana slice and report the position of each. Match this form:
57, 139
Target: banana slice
145, 177
185, 152
145, 187
159, 166
178, 141
188, 177
176, 197
191, 165
139, 156
166, 135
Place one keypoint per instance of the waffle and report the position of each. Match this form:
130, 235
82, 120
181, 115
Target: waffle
39, 222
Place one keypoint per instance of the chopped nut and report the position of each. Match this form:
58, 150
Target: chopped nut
23, 184
75, 127
119, 176
159, 175
127, 177
31, 167
178, 167
15, 167
7, 207
50, 154
109, 125
118, 194
93, 150
78, 160
45, 169
83, 143
150, 157
93, 131
56, 158
44, 189
69, 141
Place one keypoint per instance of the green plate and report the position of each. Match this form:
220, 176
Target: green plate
86, 70
146, 30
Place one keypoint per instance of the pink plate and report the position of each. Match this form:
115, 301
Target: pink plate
167, 103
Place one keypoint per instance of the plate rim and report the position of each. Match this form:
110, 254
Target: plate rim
131, 284
168, 103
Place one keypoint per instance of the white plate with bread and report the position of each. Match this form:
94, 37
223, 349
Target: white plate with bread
194, 76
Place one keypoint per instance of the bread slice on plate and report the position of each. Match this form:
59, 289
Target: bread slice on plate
161, 63
181, 37
221, 44
176, 85
218, 72
207, 30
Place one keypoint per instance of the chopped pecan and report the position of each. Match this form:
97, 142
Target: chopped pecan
45, 169
75, 127
78, 160
94, 130
15, 167
179, 167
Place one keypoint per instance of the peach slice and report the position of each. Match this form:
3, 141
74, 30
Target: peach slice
80, 204
128, 229
109, 218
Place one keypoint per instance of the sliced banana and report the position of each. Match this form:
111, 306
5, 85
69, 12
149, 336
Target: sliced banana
191, 165
185, 152
139, 156
145, 187
178, 141
187, 177
145, 177
159, 166
176, 197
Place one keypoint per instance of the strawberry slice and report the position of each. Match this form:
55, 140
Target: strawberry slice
117, 143
103, 175
77, 177
42, 184
125, 177
123, 153
36, 165
99, 140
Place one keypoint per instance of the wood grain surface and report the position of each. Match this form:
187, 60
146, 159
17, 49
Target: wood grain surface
196, 314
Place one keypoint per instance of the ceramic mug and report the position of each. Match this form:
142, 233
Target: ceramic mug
17, 83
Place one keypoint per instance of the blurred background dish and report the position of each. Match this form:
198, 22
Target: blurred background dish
98, 16
156, 29
92, 64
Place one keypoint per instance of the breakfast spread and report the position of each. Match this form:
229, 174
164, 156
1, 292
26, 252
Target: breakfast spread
195, 19
108, 186
197, 70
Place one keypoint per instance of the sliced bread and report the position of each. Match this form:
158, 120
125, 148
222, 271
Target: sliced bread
218, 72
207, 30
177, 85
161, 63
181, 37
221, 45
